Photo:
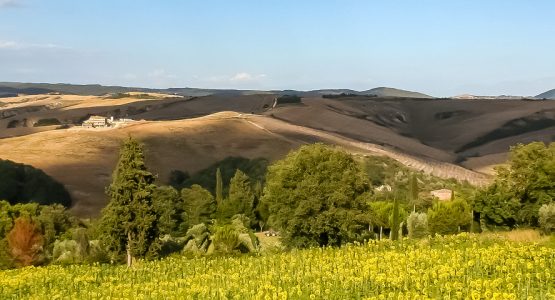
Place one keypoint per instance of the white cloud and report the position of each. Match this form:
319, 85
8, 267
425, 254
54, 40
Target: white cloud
10, 3
243, 76
12, 45
8, 45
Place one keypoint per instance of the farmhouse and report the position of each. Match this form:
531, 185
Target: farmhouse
443, 194
96, 122
103, 122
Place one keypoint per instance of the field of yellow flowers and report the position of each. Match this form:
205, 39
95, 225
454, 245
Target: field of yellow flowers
452, 267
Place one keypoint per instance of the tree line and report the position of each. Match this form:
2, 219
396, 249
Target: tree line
316, 196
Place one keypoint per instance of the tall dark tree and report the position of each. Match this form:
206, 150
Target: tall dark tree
241, 194
395, 220
199, 205
165, 200
240, 199
129, 222
260, 211
413, 191
219, 187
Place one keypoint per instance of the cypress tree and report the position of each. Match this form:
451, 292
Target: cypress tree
241, 198
129, 221
413, 190
241, 194
395, 220
219, 187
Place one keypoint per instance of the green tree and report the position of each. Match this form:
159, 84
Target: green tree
240, 200
54, 221
417, 224
219, 187
262, 214
547, 218
315, 197
521, 187
379, 215
6, 221
413, 192
395, 220
129, 221
199, 206
260, 211
164, 200
448, 217
81, 237
496, 206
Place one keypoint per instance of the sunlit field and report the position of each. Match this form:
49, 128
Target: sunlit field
456, 267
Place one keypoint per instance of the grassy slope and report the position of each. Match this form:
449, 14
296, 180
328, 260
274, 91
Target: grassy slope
83, 159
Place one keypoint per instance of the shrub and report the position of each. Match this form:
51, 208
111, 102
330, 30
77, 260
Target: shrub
449, 217
13, 124
226, 239
288, 99
66, 252
417, 224
6, 261
197, 240
25, 242
547, 218
170, 245
97, 253
47, 122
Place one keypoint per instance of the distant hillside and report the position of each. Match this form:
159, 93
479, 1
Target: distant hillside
391, 92
43, 88
500, 97
10, 89
98, 90
384, 92
547, 95
316, 93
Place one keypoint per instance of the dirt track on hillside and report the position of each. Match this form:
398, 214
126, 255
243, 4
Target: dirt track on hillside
430, 166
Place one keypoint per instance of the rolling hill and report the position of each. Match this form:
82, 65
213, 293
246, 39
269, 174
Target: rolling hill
10, 89
391, 92
547, 95
448, 138
83, 159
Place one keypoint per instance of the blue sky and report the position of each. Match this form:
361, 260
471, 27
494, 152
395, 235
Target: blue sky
438, 47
